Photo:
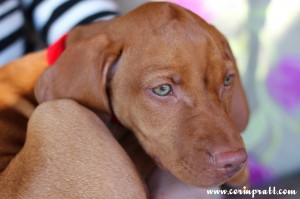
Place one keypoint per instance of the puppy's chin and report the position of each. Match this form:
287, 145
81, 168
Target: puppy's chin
207, 179
205, 176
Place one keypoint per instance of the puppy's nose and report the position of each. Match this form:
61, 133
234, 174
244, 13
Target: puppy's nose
231, 161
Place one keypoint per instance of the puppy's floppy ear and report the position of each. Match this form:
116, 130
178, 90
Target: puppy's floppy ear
81, 73
239, 104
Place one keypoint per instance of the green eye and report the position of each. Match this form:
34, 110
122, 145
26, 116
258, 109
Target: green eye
228, 80
162, 90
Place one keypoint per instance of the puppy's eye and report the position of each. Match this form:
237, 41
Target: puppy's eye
162, 90
228, 80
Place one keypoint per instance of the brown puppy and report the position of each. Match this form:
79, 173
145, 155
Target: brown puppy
165, 73
169, 77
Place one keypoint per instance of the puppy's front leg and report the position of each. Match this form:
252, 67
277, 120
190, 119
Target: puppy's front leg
69, 153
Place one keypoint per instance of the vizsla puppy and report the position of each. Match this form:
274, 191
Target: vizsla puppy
167, 76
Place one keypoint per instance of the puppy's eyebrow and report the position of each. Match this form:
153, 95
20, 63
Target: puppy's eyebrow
229, 65
160, 71
164, 77
176, 79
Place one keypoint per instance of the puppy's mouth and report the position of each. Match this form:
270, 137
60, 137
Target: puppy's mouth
232, 171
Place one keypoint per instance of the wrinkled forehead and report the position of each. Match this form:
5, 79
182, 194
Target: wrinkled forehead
169, 48
177, 43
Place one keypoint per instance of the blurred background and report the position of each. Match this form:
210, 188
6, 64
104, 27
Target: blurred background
265, 38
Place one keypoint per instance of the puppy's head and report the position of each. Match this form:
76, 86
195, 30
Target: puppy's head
172, 80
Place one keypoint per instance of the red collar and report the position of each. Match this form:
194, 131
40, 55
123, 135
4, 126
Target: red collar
56, 49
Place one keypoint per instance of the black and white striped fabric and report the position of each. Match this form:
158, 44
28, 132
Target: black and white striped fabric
12, 40
53, 18
49, 18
